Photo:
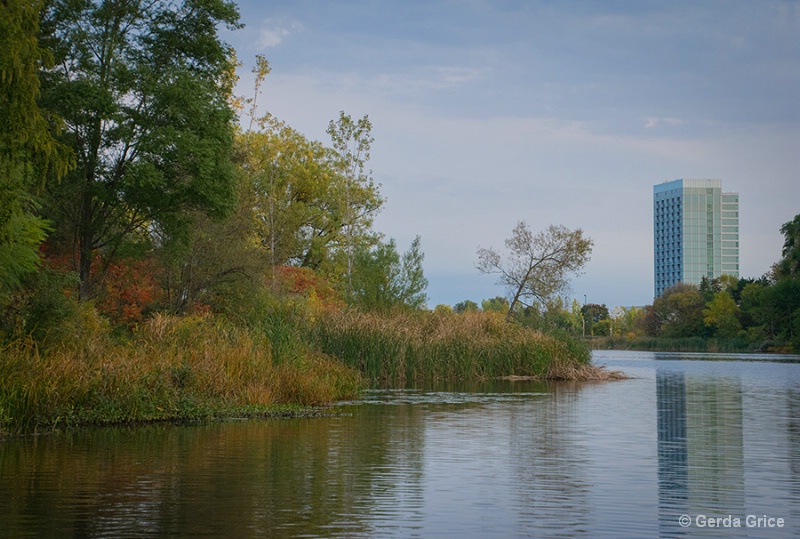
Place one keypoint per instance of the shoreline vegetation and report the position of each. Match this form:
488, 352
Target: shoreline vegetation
298, 360
687, 344
162, 259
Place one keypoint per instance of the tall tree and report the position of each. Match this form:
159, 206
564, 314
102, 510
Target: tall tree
302, 213
351, 142
28, 151
144, 89
537, 266
289, 179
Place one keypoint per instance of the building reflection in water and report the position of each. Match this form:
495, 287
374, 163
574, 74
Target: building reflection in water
700, 448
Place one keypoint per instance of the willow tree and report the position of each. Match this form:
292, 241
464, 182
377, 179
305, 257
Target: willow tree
537, 267
144, 90
28, 151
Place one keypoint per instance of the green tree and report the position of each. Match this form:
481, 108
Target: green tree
217, 262
630, 322
497, 304
593, 314
351, 142
678, 312
555, 316
466, 306
291, 183
784, 296
790, 261
28, 151
759, 310
144, 90
298, 197
382, 278
538, 266
722, 314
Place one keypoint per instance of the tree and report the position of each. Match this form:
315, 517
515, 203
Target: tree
677, 313
497, 304
466, 306
537, 267
144, 90
593, 314
413, 282
351, 142
292, 184
790, 262
301, 213
722, 314
28, 151
554, 316
382, 278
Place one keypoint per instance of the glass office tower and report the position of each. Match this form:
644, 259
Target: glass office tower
696, 232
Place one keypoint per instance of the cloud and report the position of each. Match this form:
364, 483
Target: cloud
452, 76
273, 32
653, 121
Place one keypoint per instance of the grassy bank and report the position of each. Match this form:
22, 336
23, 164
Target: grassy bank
170, 368
291, 356
406, 347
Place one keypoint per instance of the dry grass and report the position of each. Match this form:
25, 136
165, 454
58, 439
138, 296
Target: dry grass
579, 373
171, 368
406, 347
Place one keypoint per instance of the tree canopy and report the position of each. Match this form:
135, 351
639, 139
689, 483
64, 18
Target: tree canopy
144, 90
537, 267
28, 151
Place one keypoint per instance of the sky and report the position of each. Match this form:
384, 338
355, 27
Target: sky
486, 113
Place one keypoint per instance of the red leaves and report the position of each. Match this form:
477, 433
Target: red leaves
128, 289
304, 282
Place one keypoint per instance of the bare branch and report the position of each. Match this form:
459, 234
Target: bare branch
537, 267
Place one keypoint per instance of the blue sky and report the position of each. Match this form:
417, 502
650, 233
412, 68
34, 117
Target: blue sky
553, 112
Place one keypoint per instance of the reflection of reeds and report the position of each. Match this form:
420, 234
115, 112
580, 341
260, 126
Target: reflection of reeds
172, 368
404, 347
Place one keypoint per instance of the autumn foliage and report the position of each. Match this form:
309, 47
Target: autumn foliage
305, 282
128, 289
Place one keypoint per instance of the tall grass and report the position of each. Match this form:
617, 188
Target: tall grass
404, 347
290, 354
171, 368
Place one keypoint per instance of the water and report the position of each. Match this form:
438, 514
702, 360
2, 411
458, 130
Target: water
711, 438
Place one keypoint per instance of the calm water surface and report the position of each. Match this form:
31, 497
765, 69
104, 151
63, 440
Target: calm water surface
710, 438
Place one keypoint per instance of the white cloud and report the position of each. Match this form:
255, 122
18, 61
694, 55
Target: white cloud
273, 32
653, 121
453, 75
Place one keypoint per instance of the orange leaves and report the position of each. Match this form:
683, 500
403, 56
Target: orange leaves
304, 282
128, 289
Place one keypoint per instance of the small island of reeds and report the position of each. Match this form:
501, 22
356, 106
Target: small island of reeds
295, 358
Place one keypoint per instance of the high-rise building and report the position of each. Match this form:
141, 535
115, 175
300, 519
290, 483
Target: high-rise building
696, 232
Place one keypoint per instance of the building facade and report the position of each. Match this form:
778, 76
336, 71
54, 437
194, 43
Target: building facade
696, 232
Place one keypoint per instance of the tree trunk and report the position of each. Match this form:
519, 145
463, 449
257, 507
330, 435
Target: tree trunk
85, 240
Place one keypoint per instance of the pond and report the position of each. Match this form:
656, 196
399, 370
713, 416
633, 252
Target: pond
691, 446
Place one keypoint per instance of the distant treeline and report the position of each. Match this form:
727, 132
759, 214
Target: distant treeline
723, 314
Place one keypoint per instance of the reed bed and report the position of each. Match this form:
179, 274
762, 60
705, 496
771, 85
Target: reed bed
405, 347
171, 368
